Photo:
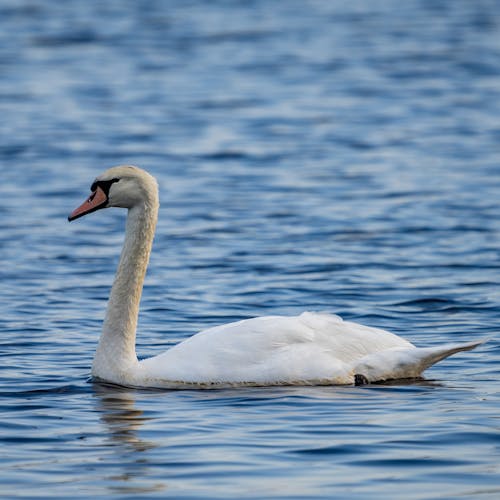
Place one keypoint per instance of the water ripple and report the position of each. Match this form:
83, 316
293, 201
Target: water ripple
330, 156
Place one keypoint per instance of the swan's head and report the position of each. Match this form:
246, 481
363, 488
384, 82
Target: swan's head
124, 186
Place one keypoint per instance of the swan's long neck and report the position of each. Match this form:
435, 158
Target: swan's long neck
115, 353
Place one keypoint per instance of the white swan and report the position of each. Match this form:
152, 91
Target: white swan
274, 350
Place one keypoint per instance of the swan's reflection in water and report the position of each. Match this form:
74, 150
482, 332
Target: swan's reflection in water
183, 449
117, 410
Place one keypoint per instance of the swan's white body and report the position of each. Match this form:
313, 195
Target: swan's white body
308, 349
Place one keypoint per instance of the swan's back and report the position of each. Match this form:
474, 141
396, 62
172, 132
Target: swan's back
309, 348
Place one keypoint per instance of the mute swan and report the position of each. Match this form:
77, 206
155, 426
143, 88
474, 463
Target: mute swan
312, 348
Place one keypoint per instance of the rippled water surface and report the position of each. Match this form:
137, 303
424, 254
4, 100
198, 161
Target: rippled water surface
329, 156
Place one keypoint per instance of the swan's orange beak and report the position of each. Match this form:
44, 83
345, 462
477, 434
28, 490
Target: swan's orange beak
95, 201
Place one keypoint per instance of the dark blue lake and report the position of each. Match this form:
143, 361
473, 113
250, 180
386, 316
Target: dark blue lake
311, 155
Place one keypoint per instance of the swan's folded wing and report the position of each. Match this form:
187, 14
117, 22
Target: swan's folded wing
273, 349
258, 350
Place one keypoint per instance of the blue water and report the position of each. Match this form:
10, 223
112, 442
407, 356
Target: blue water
330, 156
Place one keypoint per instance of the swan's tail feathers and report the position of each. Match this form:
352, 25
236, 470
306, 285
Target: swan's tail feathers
404, 362
431, 355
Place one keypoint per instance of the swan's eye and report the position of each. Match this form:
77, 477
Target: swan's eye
104, 185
